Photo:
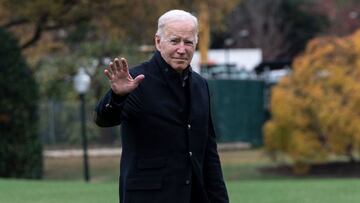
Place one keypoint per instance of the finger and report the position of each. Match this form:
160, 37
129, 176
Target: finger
117, 65
124, 65
139, 78
108, 74
111, 68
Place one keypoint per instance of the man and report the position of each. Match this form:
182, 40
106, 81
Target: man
169, 151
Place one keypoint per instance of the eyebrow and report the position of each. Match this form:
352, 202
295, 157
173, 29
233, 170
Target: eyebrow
178, 37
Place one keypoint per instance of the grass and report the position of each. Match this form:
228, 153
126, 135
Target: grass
19, 191
245, 191
244, 165
246, 184
102, 169
295, 191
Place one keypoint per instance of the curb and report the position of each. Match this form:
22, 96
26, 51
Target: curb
100, 152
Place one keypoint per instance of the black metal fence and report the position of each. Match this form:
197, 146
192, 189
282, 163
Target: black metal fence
238, 110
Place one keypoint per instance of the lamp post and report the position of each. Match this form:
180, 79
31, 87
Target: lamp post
82, 84
228, 43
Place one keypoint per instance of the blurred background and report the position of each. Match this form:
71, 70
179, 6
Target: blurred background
284, 77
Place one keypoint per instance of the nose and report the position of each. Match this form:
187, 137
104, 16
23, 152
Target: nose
181, 48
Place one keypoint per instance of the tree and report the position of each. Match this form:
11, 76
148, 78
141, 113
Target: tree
280, 28
20, 151
316, 109
136, 21
57, 37
343, 16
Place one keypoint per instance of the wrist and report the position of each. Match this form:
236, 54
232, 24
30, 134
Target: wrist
117, 96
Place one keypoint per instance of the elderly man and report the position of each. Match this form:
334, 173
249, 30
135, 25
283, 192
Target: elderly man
169, 149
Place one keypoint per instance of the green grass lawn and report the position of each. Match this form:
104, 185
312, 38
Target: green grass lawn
295, 191
246, 183
243, 191
22, 191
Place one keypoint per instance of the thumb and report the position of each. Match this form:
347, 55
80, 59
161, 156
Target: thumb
139, 78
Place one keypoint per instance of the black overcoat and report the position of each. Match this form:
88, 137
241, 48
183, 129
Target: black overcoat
165, 153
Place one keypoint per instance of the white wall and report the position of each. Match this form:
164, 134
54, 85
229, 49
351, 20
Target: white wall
243, 58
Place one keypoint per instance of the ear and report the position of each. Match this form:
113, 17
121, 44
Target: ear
157, 42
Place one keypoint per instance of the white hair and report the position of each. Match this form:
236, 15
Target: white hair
176, 15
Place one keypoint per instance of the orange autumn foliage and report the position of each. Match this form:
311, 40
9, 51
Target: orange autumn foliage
316, 109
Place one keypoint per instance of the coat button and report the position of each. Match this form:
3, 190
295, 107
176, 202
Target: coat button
187, 182
188, 126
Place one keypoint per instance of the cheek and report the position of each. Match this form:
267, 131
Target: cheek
191, 51
169, 51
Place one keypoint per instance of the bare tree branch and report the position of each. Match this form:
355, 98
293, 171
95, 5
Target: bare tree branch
38, 31
15, 22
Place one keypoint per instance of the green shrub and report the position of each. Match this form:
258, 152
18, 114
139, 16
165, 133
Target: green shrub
20, 145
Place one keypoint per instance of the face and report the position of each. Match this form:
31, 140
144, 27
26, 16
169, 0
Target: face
177, 44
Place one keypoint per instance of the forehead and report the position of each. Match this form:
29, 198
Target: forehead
184, 29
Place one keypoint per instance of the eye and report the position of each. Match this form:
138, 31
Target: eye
175, 41
189, 43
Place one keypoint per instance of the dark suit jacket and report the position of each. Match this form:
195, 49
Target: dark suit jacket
164, 152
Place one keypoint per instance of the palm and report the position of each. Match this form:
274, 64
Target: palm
120, 80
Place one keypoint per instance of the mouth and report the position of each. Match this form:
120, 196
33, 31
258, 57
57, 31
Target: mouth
180, 59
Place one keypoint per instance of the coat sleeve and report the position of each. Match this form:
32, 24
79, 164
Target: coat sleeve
213, 178
108, 110
112, 109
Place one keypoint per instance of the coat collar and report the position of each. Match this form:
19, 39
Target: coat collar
169, 72
174, 80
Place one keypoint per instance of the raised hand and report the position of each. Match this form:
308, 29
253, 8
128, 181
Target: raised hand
120, 80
